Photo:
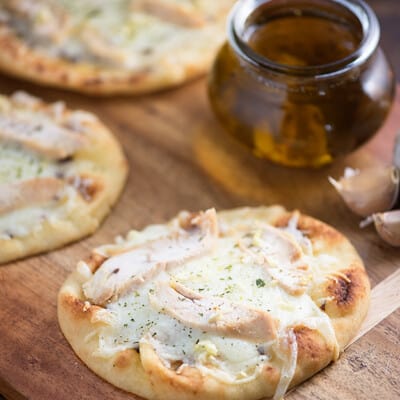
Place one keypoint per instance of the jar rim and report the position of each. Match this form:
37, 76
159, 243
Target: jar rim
358, 8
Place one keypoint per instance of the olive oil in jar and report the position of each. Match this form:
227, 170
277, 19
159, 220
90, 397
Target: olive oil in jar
297, 83
303, 40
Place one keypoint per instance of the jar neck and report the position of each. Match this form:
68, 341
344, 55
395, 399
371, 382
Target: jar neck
349, 11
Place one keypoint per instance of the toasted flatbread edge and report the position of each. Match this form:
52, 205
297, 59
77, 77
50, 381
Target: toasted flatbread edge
143, 373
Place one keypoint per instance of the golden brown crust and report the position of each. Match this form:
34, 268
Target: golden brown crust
313, 352
344, 284
316, 231
345, 291
347, 295
94, 261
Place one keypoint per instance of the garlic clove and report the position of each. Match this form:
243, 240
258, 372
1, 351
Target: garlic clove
388, 226
369, 191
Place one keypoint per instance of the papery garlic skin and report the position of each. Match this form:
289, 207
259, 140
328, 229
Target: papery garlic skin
388, 226
369, 191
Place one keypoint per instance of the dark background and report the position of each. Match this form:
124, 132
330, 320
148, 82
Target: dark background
388, 12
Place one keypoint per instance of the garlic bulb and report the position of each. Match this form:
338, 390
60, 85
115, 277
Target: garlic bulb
370, 191
388, 226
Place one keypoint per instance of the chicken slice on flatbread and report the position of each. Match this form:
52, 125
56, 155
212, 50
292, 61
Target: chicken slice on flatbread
32, 192
61, 170
282, 257
45, 19
213, 314
183, 14
215, 317
128, 270
42, 136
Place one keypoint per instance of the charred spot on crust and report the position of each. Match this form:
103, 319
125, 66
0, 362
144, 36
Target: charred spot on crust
347, 288
343, 291
87, 186
94, 261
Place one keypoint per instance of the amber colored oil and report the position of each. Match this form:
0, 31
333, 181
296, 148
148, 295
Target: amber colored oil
303, 40
301, 121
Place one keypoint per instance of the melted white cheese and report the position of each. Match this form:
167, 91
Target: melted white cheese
229, 273
18, 163
138, 41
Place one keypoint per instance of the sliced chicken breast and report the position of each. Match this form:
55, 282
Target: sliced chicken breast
41, 136
170, 11
282, 257
14, 196
213, 314
128, 270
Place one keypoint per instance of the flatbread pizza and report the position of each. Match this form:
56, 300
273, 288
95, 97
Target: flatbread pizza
107, 47
242, 304
60, 173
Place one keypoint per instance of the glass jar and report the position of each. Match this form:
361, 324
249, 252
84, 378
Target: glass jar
299, 112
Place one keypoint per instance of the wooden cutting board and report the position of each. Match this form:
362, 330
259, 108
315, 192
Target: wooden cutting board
180, 159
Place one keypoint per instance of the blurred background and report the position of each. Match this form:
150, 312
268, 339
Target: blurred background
388, 12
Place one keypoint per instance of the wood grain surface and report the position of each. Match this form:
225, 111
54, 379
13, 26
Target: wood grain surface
385, 299
180, 159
